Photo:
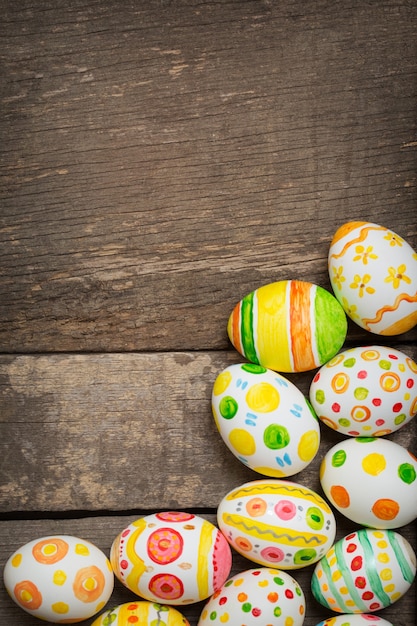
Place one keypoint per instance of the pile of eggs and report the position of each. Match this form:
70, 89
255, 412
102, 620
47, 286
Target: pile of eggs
171, 559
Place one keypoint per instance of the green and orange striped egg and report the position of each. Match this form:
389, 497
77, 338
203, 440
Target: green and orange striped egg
288, 326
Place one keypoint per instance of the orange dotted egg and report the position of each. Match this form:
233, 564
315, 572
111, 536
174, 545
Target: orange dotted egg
372, 481
62, 579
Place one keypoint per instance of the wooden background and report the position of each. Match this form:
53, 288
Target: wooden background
159, 160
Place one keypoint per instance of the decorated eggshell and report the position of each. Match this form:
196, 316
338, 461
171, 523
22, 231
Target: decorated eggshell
142, 613
355, 620
173, 557
59, 578
364, 572
288, 326
366, 391
371, 481
277, 523
256, 597
373, 272
265, 420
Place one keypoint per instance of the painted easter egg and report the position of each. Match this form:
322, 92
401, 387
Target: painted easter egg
371, 481
59, 578
265, 420
277, 523
142, 613
171, 557
366, 391
288, 326
364, 572
373, 273
256, 597
355, 620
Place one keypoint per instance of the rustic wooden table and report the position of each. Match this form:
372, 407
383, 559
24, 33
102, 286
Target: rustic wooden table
160, 160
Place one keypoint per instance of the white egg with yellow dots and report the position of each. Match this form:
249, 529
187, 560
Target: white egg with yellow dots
265, 420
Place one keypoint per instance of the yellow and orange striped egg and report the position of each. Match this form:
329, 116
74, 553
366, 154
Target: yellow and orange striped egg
172, 557
141, 613
373, 272
288, 326
60, 578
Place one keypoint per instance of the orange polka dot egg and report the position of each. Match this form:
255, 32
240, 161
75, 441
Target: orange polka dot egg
256, 597
60, 578
265, 420
172, 557
277, 523
366, 391
371, 481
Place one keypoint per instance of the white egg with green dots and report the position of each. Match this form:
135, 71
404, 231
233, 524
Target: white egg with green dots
265, 420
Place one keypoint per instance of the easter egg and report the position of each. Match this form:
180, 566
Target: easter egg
355, 620
171, 557
59, 578
256, 597
371, 481
366, 391
373, 273
288, 326
141, 613
277, 523
364, 572
264, 420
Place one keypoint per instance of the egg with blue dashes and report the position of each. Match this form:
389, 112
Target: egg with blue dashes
265, 420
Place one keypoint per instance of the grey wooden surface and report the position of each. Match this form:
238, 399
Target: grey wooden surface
159, 160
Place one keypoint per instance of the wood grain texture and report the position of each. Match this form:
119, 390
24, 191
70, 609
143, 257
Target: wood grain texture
162, 159
158, 161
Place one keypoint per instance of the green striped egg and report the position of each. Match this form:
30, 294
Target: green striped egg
288, 326
366, 571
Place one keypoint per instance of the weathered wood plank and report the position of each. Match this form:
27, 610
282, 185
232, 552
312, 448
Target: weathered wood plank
123, 431
102, 530
160, 160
